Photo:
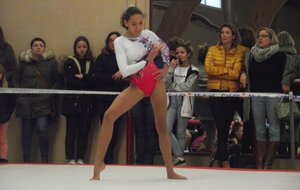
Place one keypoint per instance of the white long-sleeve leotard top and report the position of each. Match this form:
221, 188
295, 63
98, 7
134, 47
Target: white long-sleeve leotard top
130, 52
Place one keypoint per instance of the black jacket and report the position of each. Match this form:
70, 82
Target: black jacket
8, 103
78, 103
104, 68
266, 76
9, 62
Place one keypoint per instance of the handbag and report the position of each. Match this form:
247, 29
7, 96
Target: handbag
282, 110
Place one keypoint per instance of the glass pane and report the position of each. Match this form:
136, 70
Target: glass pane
212, 3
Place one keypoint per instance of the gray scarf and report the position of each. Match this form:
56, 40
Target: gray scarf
261, 54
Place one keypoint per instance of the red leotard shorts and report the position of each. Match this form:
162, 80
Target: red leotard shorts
145, 78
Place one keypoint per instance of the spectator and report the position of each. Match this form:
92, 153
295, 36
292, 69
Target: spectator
8, 67
37, 69
247, 37
146, 142
78, 108
202, 109
236, 133
8, 60
173, 43
287, 46
7, 102
107, 71
182, 75
248, 40
264, 69
237, 157
223, 66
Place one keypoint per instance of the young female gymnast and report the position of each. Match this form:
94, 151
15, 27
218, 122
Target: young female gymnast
135, 53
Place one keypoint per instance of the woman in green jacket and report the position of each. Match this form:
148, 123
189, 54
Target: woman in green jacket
37, 69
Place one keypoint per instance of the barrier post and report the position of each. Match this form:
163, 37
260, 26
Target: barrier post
292, 131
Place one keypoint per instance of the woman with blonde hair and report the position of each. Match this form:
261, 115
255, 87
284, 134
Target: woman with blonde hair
264, 70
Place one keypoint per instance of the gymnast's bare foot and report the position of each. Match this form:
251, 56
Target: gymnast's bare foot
174, 175
97, 170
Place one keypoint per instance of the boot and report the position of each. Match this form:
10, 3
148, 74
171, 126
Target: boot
216, 164
260, 154
44, 159
225, 164
26, 158
272, 151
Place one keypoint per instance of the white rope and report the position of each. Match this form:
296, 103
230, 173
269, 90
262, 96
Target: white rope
52, 91
198, 94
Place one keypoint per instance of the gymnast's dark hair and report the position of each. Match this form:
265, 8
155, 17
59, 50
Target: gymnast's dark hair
131, 10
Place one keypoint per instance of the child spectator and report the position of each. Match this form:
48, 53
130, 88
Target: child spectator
78, 108
182, 75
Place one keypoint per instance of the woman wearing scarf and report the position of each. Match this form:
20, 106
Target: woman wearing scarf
265, 68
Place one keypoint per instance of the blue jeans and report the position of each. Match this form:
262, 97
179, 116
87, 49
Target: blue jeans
174, 114
146, 141
41, 125
264, 108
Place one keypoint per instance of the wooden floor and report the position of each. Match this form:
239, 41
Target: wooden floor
118, 177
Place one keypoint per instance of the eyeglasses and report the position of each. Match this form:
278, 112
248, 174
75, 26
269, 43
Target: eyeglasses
262, 36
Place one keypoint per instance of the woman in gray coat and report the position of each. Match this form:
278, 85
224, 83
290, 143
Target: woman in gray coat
37, 69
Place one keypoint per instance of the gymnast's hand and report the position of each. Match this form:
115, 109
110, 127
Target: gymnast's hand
154, 51
161, 73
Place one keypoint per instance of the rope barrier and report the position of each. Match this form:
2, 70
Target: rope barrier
200, 94
196, 94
